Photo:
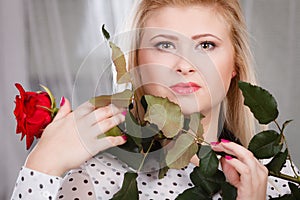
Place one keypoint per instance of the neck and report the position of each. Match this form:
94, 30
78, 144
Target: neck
210, 125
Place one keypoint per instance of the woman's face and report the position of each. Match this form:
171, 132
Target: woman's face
186, 54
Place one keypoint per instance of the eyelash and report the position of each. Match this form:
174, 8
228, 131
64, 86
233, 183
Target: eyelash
207, 43
161, 45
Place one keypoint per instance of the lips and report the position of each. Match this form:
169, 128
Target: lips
185, 88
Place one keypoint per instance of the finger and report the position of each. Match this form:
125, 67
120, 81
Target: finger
83, 110
65, 108
107, 124
240, 152
242, 169
103, 113
230, 172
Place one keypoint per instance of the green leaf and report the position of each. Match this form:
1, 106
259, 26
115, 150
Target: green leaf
133, 129
105, 32
119, 61
165, 114
277, 162
181, 153
129, 188
162, 172
121, 100
285, 197
208, 162
261, 103
210, 184
265, 144
229, 192
115, 131
295, 190
52, 98
193, 193
195, 124
285, 124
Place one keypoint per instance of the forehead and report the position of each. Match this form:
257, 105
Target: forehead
189, 20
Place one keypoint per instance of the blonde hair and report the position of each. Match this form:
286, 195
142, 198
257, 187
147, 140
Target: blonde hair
238, 118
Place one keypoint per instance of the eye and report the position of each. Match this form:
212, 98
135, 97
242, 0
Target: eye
166, 46
206, 46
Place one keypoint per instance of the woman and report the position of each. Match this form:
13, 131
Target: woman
201, 46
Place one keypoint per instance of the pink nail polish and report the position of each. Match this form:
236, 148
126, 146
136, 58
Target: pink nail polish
228, 157
124, 112
214, 143
62, 101
124, 137
225, 141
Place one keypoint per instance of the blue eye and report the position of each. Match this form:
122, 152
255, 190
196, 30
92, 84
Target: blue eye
206, 46
167, 46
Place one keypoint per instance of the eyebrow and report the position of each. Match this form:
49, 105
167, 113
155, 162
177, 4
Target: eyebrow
195, 37
172, 37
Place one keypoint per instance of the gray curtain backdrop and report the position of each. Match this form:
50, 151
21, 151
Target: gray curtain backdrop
57, 43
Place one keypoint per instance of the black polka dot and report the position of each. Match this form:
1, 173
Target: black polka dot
149, 175
71, 179
96, 182
159, 183
272, 188
108, 164
50, 197
179, 175
20, 196
31, 173
74, 188
190, 184
22, 178
90, 193
171, 191
92, 165
112, 182
61, 196
76, 199
29, 190
60, 189
118, 173
41, 186
167, 199
155, 192
107, 192
80, 171
144, 183
102, 173
140, 192
100, 157
276, 180
51, 181
174, 183
219, 198
284, 185
85, 181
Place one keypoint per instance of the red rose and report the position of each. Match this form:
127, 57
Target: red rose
33, 113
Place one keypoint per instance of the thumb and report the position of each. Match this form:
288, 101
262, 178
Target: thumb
65, 108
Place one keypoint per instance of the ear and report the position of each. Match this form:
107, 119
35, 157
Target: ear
233, 74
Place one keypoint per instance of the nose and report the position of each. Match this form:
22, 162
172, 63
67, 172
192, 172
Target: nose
184, 68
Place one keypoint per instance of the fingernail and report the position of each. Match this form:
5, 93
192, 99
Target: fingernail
62, 101
228, 157
225, 141
214, 143
124, 112
124, 137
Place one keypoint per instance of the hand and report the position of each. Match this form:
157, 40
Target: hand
71, 138
244, 172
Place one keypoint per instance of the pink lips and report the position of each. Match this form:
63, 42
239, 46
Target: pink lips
185, 88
